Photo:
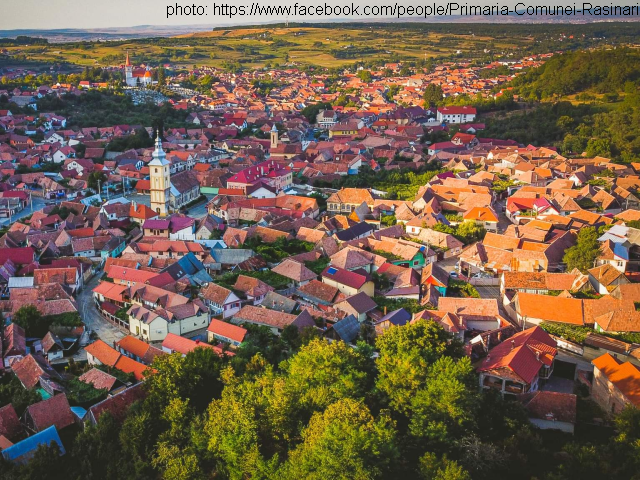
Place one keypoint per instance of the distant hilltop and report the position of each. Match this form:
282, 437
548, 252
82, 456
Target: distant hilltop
145, 31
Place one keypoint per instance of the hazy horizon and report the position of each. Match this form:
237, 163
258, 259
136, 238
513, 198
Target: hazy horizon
70, 14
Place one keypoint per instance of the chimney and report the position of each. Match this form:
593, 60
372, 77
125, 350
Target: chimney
538, 356
513, 344
385, 310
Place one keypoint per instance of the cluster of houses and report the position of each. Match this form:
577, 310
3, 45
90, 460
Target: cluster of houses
170, 280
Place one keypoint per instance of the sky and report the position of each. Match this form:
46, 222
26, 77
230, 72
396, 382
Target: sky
55, 14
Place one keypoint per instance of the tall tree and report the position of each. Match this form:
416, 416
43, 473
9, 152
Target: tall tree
162, 78
405, 356
30, 318
432, 95
584, 253
346, 442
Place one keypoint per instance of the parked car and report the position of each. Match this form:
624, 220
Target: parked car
453, 274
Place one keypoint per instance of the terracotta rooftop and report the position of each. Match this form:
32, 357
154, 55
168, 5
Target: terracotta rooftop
523, 354
99, 379
625, 376
103, 352
264, 316
227, 330
53, 411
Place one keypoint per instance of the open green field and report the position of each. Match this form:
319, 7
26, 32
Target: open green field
257, 47
329, 45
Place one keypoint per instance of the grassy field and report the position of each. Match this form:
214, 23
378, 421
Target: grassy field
257, 47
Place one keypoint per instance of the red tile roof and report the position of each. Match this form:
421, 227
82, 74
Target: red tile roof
560, 407
345, 277
118, 404
182, 345
523, 354
99, 379
53, 411
10, 425
19, 256
130, 274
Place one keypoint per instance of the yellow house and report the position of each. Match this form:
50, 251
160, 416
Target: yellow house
343, 129
349, 283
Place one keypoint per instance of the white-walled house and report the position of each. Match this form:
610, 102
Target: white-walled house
153, 327
220, 300
456, 114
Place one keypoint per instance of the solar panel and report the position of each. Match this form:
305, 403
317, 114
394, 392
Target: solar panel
332, 271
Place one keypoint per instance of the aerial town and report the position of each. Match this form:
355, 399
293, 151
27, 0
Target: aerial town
319, 212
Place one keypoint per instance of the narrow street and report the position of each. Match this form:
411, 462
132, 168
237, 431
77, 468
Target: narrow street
107, 332
38, 204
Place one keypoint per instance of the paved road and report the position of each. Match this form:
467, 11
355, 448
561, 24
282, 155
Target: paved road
92, 319
38, 204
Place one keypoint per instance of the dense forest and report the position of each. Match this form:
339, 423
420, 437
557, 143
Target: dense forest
106, 108
306, 408
590, 102
598, 71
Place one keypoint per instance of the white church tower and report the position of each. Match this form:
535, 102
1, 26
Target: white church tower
128, 72
274, 136
160, 180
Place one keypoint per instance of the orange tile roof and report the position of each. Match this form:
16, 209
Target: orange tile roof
103, 352
483, 214
110, 290
552, 309
130, 274
134, 345
227, 330
625, 376
128, 365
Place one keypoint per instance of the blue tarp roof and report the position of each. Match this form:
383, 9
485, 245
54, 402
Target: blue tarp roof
79, 412
22, 451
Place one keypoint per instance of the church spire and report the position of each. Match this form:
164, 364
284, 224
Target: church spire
127, 63
158, 155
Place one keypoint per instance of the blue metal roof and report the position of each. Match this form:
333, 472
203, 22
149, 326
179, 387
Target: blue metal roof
398, 317
22, 451
332, 271
348, 328
621, 251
